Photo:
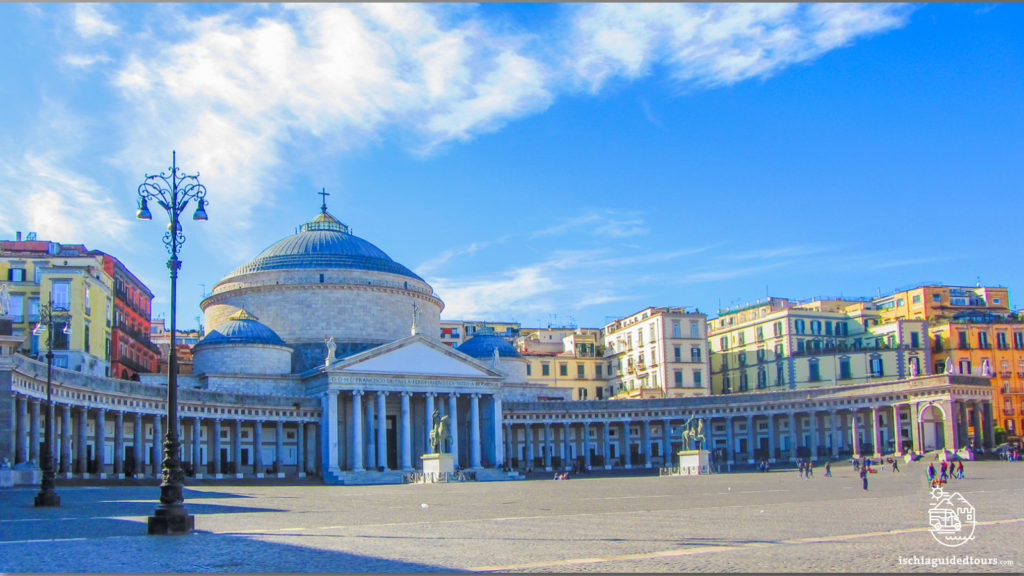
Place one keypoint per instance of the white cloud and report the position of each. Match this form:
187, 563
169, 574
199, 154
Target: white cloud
715, 44
90, 22
85, 60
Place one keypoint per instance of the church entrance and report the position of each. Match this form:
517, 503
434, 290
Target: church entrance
392, 442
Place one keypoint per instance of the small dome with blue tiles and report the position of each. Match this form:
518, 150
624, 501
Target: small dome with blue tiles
242, 328
483, 344
323, 242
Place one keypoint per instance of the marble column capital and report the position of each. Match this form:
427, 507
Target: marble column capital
358, 392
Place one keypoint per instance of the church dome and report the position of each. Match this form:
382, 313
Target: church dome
323, 243
241, 328
484, 343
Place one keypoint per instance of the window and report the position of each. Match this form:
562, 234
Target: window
598, 368
965, 366
651, 334
563, 369
963, 345
777, 329
698, 379
1001, 342
983, 340
16, 275
779, 350
580, 371
676, 330
815, 326
581, 393
33, 309
678, 353
814, 370
760, 354
915, 365
799, 346
529, 369
741, 356
694, 330
742, 337
936, 297
798, 326
724, 342
545, 369
916, 298
915, 340
760, 333
762, 377
86, 335
726, 384
61, 295
844, 369
938, 343
828, 328
679, 377
86, 299
744, 385
18, 307
1018, 340
876, 367
695, 354
900, 302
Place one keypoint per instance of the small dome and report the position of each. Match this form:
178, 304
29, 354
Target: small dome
242, 328
323, 242
484, 343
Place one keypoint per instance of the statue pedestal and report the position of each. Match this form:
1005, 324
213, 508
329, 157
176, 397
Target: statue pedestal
694, 462
437, 466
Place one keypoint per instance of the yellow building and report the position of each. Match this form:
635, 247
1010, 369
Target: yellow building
36, 272
969, 326
566, 358
780, 343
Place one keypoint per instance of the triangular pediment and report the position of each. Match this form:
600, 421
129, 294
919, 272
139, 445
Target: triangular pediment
414, 356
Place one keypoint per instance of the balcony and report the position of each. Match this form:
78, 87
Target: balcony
1006, 374
1008, 411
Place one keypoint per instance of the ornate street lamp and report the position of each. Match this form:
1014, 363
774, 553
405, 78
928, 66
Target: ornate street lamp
172, 192
48, 316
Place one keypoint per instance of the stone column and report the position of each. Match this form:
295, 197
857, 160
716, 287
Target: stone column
474, 430
876, 431
34, 430
528, 449
730, 444
509, 443
428, 420
24, 436
357, 431
65, 441
499, 445
750, 439
215, 450
257, 448
988, 426
607, 440
300, 449
453, 424
406, 433
836, 436
547, 446
896, 429
792, 437
915, 428
118, 443
158, 452
647, 443
949, 427
964, 439
101, 440
382, 430
279, 448
236, 447
586, 445
371, 437
138, 442
197, 438
813, 418
666, 441
771, 438
329, 433
627, 439
854, 442
83, 442
566, 449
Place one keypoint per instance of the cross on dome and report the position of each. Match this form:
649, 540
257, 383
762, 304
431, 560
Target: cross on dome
323, 205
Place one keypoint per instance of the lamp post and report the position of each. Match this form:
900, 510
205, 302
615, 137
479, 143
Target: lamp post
172, 192
47, 317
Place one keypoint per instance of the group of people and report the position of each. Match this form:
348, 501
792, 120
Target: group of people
806, 468
763, 465
947, 470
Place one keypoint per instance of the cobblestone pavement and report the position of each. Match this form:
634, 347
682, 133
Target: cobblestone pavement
745, 522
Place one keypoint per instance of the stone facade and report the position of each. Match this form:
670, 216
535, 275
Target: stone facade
243, 359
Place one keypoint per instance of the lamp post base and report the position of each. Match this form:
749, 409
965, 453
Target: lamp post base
171, 522
49, 499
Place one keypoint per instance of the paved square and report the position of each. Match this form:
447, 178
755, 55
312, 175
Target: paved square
746, 522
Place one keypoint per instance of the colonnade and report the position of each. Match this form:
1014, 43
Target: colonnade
100, 441
612, 441
383, 430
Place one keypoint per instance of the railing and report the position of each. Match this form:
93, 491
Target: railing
668, 471
440, 478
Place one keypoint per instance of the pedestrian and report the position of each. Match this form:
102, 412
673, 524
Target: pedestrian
810, 468
931, 474
895, 464
960, 469
864, 477
828, 469
800, 467
943, 469
856, 464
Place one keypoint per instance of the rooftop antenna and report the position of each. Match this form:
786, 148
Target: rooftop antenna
323, 205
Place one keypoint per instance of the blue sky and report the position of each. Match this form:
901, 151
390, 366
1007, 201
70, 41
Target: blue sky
547, 163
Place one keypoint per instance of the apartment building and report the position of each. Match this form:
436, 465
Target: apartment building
658, 352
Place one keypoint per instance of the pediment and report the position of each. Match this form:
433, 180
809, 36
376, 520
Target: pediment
414, 356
